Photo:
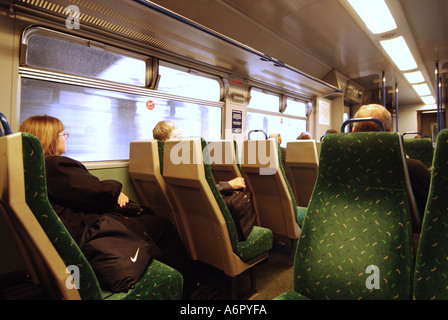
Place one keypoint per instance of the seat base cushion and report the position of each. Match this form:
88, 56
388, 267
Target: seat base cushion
159, 282
259, 241
291, 295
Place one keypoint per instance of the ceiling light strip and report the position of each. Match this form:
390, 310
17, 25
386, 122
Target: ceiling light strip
378, 19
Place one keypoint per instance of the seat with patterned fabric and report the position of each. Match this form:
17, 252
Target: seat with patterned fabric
431, 267
301, 168
145, 170
210, 228
274, 199
223, 158
420, 149
356, 241
23, 174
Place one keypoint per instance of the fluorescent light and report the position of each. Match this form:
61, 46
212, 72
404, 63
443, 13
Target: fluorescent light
399, 52
414, 77
428, 100
422, 89
375, 14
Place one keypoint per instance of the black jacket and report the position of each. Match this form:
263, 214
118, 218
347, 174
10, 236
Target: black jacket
77, 196
420, 178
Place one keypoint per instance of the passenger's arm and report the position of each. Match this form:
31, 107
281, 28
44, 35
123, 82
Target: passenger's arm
71, 184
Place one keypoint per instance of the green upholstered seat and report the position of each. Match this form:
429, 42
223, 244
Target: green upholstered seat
209, 227
259, 240
159, 281
420, 149
223, 160
301, 165
237, 156
145, 171
358, 216
300, 215
160, 149
431, 268
262, 167
300, 211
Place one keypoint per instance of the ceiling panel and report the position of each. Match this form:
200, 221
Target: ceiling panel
316, 36
149, 26
313, 36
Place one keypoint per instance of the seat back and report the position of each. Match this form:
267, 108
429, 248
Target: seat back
223, 160
50, 246
356, 241
431, 263
301, 168
145, 170
206, 229
420, 149
210, 229
273, 198
41, 283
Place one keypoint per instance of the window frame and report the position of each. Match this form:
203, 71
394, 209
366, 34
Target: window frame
148, 91
283, 97
150, 62
282, 104
196, 72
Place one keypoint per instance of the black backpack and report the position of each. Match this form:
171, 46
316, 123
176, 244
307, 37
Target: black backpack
118, 249
241, 207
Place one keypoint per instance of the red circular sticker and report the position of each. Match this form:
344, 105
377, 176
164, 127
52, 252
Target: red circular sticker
150, 105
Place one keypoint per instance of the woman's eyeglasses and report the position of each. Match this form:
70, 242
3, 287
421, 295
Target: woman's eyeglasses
65, 135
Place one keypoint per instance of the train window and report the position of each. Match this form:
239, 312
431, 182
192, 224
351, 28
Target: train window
84, 58
295, 108
261, 100
69, 78
289, 128
101, 123
188, 84
263, 113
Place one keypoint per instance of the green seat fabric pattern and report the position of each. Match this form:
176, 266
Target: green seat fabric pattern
238, 164
161, 150
37, 200
300, 212
431, 270
259, 240
291, 295
159, 281
300, 215
358, 216
420, 149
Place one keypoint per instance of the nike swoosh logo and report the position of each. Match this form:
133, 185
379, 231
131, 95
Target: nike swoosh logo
133, 259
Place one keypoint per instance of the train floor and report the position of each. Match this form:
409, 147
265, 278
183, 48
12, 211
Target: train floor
273, 276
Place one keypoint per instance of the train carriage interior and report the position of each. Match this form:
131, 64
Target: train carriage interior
241, 80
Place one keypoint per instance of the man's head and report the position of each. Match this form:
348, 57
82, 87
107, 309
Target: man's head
375, 111
304, 136
165, 130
